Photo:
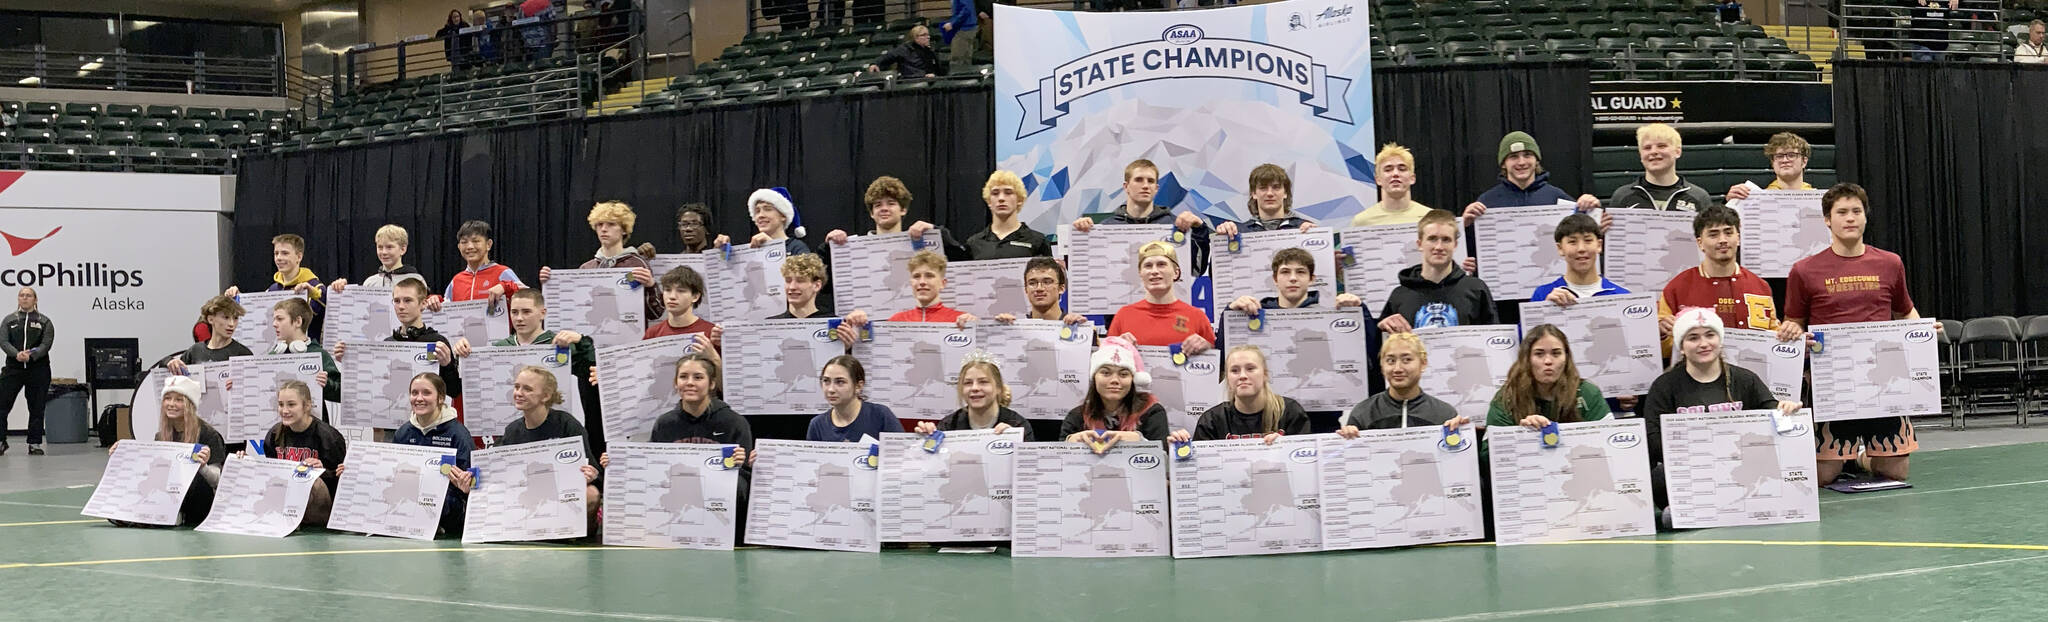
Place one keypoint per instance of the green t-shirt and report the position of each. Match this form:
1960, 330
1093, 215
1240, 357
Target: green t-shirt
1592, 407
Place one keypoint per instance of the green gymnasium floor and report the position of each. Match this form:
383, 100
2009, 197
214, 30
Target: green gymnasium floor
1965, 544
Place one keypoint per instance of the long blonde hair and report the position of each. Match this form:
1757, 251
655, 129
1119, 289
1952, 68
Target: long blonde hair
188, 433
1520, 393
1269, 417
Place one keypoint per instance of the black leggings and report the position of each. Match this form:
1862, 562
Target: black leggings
36, 380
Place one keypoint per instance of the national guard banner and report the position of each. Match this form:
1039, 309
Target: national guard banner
1206, 95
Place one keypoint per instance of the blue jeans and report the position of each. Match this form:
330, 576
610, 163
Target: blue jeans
1922, 53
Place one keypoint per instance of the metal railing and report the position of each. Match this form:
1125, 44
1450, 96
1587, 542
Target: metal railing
1642, 63
120, 70
1905, 30
494, 46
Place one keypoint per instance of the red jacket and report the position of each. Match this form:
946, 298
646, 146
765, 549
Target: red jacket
936, 313
475, 284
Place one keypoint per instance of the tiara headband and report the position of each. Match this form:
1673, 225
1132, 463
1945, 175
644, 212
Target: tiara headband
982, 356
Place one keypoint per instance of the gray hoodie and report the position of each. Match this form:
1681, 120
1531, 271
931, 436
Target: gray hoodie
1382, 411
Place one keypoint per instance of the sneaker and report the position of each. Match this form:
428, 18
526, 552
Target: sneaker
3, 447
35, 449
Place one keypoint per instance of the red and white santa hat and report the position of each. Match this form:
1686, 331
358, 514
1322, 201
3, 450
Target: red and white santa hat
1120, 352
1694, 317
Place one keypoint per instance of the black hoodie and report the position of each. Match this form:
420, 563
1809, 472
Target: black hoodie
1459, 300
719, 425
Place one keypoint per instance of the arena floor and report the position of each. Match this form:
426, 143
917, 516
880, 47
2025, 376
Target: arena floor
1960, 545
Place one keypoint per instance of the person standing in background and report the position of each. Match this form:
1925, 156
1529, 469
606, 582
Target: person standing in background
27, 347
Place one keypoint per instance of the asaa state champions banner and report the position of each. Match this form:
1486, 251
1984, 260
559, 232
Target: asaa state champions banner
1206, 95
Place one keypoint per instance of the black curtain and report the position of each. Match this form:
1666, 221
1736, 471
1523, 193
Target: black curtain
1453, 118
535, 183
1946, 152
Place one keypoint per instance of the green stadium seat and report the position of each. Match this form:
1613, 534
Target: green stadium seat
74, 122
42, 109
204, 114
1466, 48
1448, 35
77, 109
119, 139
163, 112
77, 137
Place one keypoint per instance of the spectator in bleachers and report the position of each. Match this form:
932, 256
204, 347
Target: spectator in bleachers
913, 58
454, 46
484, 44
2030, 50
1929, 34
1789, 154
1660, 188
961, 30
538, 39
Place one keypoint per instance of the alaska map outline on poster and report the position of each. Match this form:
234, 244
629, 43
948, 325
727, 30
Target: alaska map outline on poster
636, 383
260, 497
604, 303
1517, 250
813, 495
1044, 363
1070, 502
1248, 271
1245, 497
144, 482
987, 288
358, 314
772, 365
926, 356
1767, 216
532, 491
374, 379
1316, 356
253, 398
1645, 248
1614, 339
1378, 255
1780, 364
1205, 95
1594, 485
490, 371
1185, 390
872, 272
254, 331
1102, 263
1736, 468
1876, 369
1468, 364
960, 493
391, 490
671, 495
1400, 487
481, 321
746, 287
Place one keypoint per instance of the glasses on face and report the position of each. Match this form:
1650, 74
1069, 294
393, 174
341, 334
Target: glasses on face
1786, 157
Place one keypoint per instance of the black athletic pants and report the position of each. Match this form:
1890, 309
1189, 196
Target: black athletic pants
36, 379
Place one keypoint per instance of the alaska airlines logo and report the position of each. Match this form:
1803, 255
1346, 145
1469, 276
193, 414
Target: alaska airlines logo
17, 245
1183, 51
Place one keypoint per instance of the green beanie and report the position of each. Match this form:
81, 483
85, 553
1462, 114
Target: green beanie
1517, 141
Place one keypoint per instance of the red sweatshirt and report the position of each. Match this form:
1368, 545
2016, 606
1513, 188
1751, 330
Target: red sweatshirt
938, 312
1156, 324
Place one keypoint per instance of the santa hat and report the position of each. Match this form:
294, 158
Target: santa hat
184, 385
1694, 317
778, 197
1119, 352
